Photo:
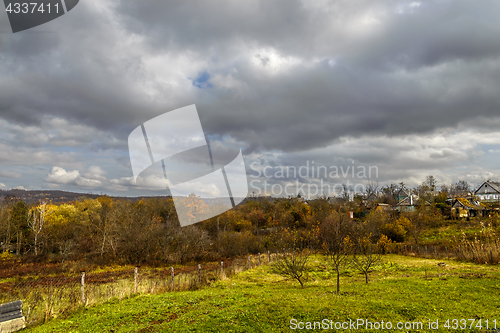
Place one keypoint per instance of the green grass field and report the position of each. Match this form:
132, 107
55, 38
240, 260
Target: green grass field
402, 289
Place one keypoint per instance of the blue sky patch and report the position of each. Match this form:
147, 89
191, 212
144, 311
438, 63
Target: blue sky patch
202, 80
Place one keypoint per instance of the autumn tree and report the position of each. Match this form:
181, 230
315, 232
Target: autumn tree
421, 218
374, 222
390, 193
321, 208
37, 219
292, 265
18, 222
335, 242
430, 183
5, 225
365, 256
61, 229
397, 230
192, 208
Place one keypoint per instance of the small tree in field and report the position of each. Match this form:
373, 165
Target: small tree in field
366, 256
292, 265
335, 243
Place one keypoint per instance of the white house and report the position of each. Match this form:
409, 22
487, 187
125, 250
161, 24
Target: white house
489, 191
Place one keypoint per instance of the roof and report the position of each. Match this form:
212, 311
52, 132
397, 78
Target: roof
494, 185
384, 207
412, 200
372, 196
402, 191
468, 204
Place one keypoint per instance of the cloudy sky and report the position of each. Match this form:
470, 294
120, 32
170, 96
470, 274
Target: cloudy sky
410, 88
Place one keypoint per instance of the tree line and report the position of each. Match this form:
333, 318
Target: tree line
148, 231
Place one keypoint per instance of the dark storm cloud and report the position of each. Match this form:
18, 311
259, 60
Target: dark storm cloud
411, 34
398, 67
361, 68
284, 75
75, 69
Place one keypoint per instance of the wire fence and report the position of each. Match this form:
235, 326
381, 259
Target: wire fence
45, 297
51, 296
480, 253
427, 251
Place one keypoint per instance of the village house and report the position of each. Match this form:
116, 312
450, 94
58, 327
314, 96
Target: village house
402, 194
462, 207
489, 191
410, 203
382, 207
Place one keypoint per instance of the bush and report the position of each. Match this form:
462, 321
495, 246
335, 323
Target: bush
292, 265
397, 231
384, 244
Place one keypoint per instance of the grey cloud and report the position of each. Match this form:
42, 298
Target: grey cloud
417, 73
9, 174
396, 70
280, 76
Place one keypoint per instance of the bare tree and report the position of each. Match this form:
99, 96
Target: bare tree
430, 182
372, 188
347, 192
36, 222
335, 243
365, 257
390, 193
5, 226
462, 188
292, 265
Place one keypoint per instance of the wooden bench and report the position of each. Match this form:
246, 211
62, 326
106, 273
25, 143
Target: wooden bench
11, 317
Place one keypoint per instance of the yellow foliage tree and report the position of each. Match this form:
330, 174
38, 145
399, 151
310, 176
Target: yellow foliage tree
194, 207
61, 214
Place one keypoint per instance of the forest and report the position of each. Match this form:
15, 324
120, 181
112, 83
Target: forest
146, 231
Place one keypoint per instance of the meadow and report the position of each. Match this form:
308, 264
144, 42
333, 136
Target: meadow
451, 297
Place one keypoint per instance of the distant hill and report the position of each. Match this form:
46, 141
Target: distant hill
57, 196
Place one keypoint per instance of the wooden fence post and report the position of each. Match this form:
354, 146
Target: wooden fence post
136, 273
83, 288
269, 256
435, 251
222, 268
199, 273
259, 258
172, 274
249, 264
446, 248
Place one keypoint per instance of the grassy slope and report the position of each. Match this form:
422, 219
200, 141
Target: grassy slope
259, 301
447, 235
